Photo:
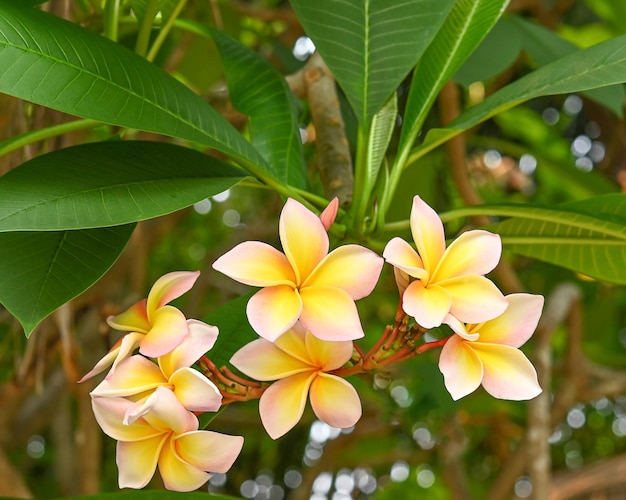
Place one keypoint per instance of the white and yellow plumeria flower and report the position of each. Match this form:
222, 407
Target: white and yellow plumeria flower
306, 283
138, 375
161, 432
300, 363
488, 353
446, 280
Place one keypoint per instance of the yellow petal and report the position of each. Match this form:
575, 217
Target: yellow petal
427, 230
515, 326
474, 299
265, 361
134, 319
177, 474
169, 328
256, 264
274, 310
208, 450
132, 376
110, 412
303, 237
282, 404
461, 367
428, 305
508, 374
352, 268
330, 313
402, 256
137, 460
328, 355
169, 287
195, 391
335, 401
473, 252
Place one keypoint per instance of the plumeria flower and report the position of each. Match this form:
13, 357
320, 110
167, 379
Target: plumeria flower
306, 283
138, 376
446, 280
162, 432
300, 363
488, 353
153, 326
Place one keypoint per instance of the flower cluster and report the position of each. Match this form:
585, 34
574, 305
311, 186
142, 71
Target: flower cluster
148, 406
307, 320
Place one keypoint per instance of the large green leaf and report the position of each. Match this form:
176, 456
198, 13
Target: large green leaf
40, 271
370, 45
598, 66
545, 46
259, 91
587, 236
58, 64
464, 28
107, 184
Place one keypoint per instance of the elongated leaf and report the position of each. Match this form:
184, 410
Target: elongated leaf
381, 131
259, 91
545, 46
108, 184
586, 236
58, 64
598, 66
370, 45
40, 271
464, 28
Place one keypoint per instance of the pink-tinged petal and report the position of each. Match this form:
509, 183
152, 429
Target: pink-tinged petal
508, 374
352, 268
427, 230
330, 314
335, 401
195, 391
474, 299
461, 367
109, 413
201, 339
473, 252
208, 450
137, 461
282, 404
122, 349
293, 342
166, 413
177, 474
402, 256
168, 287
132, 376
169, 328
330, 213
265, 361
402, 279
328, 355
460, 328
272, 311
303, 237
515, 326
428, 306
256, 264
134, 319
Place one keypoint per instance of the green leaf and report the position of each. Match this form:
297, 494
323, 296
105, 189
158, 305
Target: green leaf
107, 184
58, 64
464, 28
259, 91
587, 236
545, 46
165, 7
235, 331
496, 52
598, 66
381, 131
40, 271
371, 45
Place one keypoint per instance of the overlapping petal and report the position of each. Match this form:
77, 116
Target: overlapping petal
110, 412
177, 474
335, 401
428, 234
352, 268
330, 313
132, 376
473, 252
428, 305
137, 460
474, 299
200, 340
402, 256
264, 360
168, 287
168, 329
122, 349
303, 237
515, 326
328, 355
134, 319
274, 310
461, 367
209, 450
195, 391
282, 404
257, 264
